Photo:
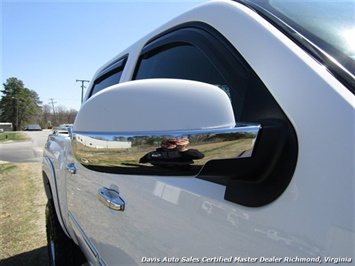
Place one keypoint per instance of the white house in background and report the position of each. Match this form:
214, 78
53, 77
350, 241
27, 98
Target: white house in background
103, 144
6, 126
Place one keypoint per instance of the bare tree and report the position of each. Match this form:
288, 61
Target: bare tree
65, 116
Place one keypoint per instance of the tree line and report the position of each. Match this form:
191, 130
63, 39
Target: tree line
22, 106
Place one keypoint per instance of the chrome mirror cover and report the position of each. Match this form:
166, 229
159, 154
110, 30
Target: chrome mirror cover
181, 152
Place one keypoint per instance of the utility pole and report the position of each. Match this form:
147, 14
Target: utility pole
82, 87
53, 102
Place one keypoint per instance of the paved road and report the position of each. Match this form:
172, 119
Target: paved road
25, 151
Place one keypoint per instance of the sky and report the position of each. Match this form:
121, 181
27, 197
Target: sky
51, 44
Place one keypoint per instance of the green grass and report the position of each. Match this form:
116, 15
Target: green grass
14, 136
6, 167
22, 230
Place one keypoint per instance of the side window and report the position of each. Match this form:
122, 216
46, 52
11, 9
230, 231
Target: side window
181, 62
109, 76
194, 54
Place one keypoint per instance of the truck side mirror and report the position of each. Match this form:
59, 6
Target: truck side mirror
159, 126
173, 127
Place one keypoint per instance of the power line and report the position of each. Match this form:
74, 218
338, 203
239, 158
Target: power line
82, 87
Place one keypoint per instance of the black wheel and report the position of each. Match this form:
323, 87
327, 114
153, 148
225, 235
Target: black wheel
62, 250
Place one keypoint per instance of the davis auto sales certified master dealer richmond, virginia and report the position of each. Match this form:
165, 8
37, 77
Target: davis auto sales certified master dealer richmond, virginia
246, 260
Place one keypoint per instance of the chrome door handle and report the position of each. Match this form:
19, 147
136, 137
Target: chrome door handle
70, 168
111, 199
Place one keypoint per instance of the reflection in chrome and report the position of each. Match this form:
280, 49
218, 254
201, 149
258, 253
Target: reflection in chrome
173, 154
179, 152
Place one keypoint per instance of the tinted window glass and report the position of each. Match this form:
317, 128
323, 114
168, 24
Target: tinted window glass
109, 76
181, 62
110, 80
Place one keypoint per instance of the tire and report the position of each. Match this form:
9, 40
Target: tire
62, 250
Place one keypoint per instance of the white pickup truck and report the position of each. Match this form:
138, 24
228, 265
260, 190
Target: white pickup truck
224, 136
